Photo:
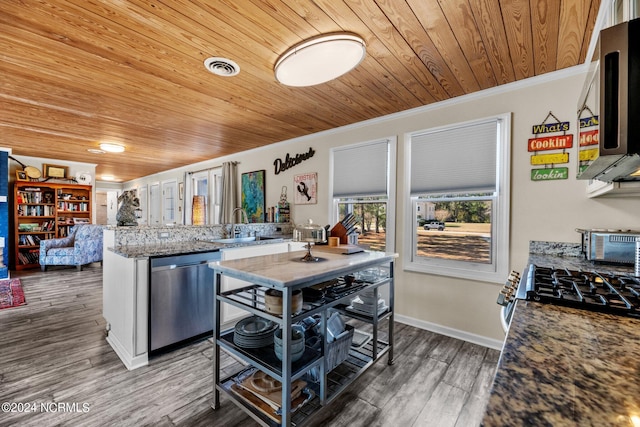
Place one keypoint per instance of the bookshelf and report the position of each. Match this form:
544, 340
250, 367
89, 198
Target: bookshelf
45, 211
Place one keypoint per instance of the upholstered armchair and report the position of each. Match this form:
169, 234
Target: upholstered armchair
82, 246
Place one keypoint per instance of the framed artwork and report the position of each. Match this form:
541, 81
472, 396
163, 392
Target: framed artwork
305, 189
21, 176
55, 171
81, 221
253, 195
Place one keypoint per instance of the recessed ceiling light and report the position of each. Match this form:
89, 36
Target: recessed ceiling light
112, 148
107, 177
320, 59
221, 66
96, 151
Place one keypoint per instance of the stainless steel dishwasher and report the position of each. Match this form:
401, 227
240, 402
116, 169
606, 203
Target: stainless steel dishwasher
180, 299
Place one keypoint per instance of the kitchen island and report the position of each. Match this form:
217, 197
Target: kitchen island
287, 273
128, 257
562, 366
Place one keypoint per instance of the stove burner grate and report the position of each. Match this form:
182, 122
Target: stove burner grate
585, 289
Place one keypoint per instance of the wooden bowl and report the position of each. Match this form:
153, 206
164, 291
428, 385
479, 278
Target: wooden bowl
273, 301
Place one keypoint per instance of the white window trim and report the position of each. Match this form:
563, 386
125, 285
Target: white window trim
390, 228
499, 269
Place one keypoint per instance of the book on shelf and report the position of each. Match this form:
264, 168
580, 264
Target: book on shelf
29, 257
29, 240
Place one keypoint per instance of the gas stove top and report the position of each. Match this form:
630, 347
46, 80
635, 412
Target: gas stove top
589, 290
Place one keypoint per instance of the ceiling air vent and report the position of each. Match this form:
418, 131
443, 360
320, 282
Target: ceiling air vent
221, 66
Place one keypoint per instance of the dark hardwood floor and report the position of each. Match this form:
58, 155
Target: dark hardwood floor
53, 352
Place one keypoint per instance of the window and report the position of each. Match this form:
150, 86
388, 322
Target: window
458, 213
363, 184
169, 201
206, 183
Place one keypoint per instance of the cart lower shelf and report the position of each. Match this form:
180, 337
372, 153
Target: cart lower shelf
358, 361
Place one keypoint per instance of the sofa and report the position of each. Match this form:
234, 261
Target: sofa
82, 246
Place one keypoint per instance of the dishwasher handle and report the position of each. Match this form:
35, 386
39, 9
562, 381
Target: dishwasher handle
178, 261
177, 267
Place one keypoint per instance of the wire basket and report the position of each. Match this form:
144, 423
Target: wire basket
338, 350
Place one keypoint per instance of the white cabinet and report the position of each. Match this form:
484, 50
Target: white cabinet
297, 246
125, 287
230, 313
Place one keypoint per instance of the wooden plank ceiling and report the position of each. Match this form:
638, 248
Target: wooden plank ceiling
75, 73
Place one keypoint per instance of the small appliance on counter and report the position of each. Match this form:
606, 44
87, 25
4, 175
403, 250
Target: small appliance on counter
609, 246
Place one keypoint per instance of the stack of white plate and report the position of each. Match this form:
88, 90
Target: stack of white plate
365, 303
254, 332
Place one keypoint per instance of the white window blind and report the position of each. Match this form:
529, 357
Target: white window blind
361, 170
462, 159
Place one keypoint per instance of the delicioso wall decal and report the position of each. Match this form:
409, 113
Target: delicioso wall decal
547, 142
289, 162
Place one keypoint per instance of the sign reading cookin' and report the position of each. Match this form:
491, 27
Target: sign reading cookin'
547, 142
551, 143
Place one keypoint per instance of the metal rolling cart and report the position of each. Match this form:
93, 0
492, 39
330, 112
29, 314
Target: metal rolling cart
269, 272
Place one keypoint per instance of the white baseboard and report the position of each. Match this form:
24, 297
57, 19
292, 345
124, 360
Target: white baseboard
450, 332
129, 361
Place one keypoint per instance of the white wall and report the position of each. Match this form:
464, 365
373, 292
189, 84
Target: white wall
547, 211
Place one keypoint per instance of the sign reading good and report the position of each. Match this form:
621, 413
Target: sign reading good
589, 138
289, 161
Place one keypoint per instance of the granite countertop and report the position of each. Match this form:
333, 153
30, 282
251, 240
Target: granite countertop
562, 366
286, 269
185, 247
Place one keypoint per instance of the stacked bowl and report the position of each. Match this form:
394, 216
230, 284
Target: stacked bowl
297, 343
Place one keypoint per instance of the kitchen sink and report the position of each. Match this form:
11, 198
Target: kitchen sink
235, 240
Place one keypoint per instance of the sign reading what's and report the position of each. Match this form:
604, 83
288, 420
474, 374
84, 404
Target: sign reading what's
549, 174
550, 127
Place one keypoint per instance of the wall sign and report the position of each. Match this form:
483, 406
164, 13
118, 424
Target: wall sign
289, 162
589, 137
549, 174
547, 142
306, 189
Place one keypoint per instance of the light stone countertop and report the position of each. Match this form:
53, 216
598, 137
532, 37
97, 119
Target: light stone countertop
184, 247
286, 270
562, 366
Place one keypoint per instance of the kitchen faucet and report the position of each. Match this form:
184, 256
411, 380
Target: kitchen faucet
236, 233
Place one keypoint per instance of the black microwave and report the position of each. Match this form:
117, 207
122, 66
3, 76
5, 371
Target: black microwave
610, 104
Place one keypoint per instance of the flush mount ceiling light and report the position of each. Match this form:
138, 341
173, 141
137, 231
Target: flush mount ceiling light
112, 148
221, 66
320, 59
